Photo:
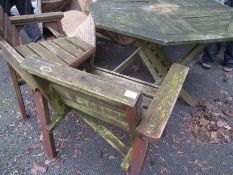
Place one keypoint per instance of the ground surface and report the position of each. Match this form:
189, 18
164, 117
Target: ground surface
84, 152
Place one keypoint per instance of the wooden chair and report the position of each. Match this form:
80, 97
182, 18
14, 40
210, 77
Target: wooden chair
9, 30
95, 97
57, 50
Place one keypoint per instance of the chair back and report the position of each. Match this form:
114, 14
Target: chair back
87, 93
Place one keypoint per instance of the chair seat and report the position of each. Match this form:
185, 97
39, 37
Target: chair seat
70, 51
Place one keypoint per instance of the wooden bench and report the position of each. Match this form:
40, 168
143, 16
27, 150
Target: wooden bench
137, 107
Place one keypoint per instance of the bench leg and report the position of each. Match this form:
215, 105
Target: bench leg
138, 156
43, 113
18, 92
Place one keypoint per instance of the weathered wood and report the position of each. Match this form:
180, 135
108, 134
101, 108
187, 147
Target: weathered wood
45, 53
157, 115
127, 62
138, 156
59, 52
17, 91
148, 89
187, 98
79, 43
107, 112
25, 51
23, 19
78, 80
54, 98
72, 49
14, 59
111, 73
106, 134
193, 52
55, 27
159, 53
166, 22
151, 68
153, 57
126, 161
134, 116
43, 112
106, 118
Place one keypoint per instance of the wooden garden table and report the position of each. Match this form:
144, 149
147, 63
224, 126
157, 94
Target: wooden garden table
156, 23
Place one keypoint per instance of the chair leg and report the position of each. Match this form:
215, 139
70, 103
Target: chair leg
138, 156
18, 92
43, 113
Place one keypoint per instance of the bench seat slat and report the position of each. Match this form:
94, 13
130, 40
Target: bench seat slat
72, 49
79, 43
25, 51
45, 53
157, 115
60, 52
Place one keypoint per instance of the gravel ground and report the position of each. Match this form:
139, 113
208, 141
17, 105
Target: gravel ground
82, 152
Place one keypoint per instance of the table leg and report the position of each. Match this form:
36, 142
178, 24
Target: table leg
158, 64
154, 59
193, 52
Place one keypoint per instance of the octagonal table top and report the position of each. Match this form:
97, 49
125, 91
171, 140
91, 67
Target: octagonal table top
166, 22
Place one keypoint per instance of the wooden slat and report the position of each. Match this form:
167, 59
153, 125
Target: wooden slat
157, 115
90, 101
106, 134
45, 53
125, 163
72, 49
25, 51
81, 81
59, 51
148, 89
79, 43
36, 18
106, 118
127, 62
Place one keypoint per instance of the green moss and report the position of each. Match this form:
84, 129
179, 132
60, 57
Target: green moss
165, 100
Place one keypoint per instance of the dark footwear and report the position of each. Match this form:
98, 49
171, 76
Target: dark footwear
206, 65
227, 69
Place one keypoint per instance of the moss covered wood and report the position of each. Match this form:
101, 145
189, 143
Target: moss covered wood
166, 22
148, 89
69, 47
157, 115
81, 81
106, 134
56, 103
